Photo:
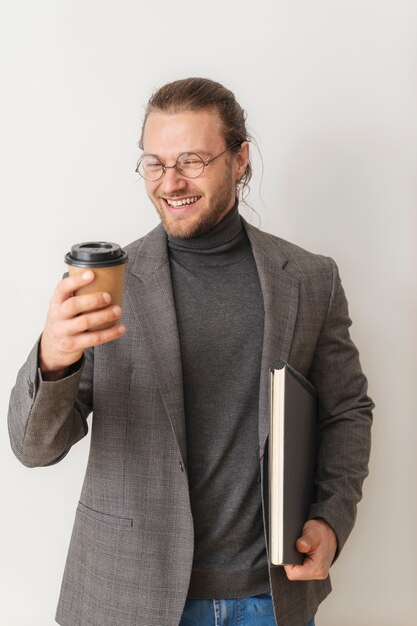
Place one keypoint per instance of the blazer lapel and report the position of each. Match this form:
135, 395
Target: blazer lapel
280, 294
150, 290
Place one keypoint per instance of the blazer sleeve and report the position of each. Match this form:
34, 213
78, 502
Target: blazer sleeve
46, 418
345, 418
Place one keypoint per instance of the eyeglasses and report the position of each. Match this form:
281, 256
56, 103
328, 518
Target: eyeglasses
188, 164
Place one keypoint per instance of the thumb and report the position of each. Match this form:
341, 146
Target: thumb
303, 544
308, 540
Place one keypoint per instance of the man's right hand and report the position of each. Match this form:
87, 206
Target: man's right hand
67, 330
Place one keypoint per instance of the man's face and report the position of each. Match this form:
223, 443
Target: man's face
208, 197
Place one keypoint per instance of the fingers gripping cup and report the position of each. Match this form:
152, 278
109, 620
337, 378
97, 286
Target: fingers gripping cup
107, 260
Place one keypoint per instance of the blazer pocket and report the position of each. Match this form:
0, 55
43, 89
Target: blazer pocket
106, 518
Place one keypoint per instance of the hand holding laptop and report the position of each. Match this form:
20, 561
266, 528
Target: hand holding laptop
318, 542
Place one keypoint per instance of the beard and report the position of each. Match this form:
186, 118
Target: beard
210, 214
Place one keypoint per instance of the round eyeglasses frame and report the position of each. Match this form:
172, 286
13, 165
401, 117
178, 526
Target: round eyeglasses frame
178, 163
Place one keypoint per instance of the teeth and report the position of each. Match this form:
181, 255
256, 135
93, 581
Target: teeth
178, 203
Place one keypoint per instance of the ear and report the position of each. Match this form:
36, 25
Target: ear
241, 160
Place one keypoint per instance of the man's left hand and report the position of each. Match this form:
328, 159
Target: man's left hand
318, 542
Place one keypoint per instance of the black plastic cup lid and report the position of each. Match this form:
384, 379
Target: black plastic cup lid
96, 253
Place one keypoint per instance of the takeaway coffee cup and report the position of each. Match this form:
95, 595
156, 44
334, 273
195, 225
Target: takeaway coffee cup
107, 260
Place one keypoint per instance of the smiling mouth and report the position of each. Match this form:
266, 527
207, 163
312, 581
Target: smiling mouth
175, 204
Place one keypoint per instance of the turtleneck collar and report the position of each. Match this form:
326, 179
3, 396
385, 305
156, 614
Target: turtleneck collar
222, 234
224, 244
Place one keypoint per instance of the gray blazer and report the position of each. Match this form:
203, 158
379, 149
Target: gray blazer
131, 550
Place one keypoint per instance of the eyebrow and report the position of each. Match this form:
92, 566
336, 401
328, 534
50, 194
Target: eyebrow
199, 152
202, 152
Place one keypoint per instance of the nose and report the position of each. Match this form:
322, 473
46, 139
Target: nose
173, 181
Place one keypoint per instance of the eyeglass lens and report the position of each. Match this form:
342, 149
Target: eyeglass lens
189, 164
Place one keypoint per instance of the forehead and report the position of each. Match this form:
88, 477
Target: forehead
168, 134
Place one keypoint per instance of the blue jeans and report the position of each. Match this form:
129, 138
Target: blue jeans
255, 611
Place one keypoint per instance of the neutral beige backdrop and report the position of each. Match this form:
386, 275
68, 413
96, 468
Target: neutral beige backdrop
330, 90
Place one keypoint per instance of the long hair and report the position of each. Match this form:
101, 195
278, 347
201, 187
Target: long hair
194, 94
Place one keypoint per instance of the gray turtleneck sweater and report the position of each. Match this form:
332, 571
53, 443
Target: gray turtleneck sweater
220, 318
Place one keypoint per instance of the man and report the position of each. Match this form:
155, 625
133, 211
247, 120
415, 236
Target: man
170, 525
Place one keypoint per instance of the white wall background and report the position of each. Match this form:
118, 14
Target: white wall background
330, 90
